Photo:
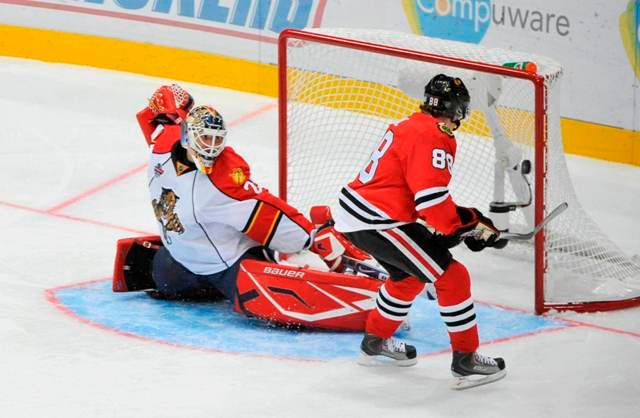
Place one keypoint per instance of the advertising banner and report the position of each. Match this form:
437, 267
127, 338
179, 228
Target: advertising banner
597, 41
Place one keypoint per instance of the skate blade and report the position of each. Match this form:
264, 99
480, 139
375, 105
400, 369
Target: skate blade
383, 361
467, 382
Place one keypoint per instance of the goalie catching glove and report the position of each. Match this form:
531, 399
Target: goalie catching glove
477, 230
168, 107
170, 104
329, 244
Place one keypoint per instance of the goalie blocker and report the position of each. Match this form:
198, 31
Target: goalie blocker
284, 295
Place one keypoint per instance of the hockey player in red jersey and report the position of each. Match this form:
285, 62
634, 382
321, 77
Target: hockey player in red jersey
399, 210
210, 212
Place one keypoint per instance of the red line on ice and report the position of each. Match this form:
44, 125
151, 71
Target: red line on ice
572, 322
96, 189
73, 218
120, 177
50, 296
506, 339
601, 327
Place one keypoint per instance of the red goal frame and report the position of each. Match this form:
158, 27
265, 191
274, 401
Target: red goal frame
540, 133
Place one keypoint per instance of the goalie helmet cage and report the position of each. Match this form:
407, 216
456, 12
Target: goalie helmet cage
339, 90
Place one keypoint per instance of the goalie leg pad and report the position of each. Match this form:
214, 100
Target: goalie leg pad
456, 307
132, 266
297, 296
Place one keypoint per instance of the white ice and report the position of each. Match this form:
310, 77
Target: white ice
68, 129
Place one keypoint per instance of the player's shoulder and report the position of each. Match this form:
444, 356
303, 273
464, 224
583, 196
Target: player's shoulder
230, 166
425, 126
229, 157
230, 173
167, 139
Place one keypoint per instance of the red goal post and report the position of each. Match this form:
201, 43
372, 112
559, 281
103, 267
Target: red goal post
338, 89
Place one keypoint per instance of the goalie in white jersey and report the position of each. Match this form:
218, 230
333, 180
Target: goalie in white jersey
210, 213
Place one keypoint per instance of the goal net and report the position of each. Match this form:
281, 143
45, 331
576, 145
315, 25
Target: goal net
340, 89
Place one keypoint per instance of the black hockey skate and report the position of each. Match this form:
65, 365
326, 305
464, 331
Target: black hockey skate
377, 351
474, 369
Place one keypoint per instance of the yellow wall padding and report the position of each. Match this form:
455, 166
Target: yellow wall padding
582, 138
139, 57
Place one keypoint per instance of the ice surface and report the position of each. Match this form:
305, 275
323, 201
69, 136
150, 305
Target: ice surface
70, 132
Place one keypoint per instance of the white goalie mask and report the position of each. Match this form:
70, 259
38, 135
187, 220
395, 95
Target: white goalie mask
203, 136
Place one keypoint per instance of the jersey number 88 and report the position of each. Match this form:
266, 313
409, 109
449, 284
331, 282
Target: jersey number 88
441, 159
367, 173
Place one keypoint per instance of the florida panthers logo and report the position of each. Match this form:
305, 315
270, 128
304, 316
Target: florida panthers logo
164, 210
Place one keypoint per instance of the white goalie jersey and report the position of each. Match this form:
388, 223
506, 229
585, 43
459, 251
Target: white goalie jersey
207, 222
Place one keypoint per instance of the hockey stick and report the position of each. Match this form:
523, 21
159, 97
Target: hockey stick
528, 235
361, 267
357, 266
505, 236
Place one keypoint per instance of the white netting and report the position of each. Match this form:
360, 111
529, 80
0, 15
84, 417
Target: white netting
340, 101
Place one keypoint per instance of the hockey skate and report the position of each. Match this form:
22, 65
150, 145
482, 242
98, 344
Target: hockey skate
376, 351
474, 369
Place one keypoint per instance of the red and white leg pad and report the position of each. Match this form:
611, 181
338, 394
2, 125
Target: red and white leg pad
132, 265
299, 296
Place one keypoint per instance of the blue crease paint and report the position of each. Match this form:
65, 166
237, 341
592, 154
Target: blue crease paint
214, 325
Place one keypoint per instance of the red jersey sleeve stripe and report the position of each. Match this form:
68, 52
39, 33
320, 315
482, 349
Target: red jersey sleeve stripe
252, 217
442, 217
262, 225
290, 212
431, 197
274, 228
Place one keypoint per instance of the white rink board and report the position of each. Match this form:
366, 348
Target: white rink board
586, 36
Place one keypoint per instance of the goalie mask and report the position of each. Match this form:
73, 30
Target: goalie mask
203, 136
448, 97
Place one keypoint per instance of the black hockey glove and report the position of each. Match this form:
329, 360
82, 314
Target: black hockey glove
478, 245
449, 241
475, 244
477, 230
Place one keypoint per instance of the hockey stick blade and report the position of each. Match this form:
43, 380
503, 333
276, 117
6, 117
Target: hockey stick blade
528, 235
361, 267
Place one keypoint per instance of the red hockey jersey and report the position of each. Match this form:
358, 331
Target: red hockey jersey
406, 179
